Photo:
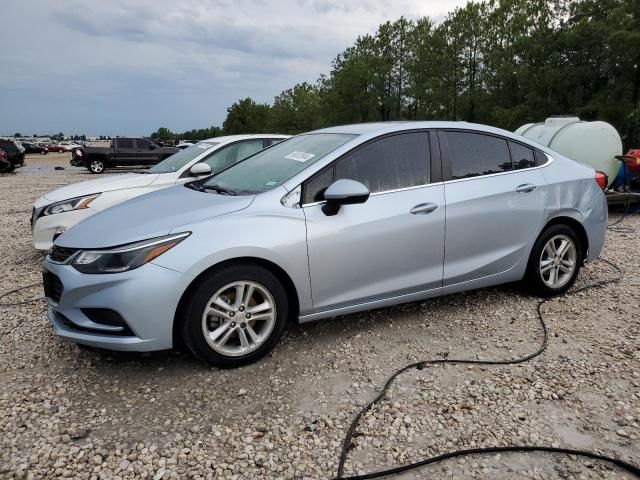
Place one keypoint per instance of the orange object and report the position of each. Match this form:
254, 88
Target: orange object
632, 160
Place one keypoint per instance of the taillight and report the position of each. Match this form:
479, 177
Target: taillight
601, 179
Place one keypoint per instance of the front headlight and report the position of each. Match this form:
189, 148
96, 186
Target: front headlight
126, 257
77, 203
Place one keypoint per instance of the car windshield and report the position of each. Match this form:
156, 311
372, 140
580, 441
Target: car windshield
273, 166
178, 160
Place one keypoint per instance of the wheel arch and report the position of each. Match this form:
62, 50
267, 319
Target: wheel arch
576, 226
279, 272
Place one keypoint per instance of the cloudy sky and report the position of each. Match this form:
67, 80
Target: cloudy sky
131, 66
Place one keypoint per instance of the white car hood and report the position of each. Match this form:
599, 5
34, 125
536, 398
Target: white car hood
102, 184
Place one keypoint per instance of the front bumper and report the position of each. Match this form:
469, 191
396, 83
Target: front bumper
46, 229
145, 298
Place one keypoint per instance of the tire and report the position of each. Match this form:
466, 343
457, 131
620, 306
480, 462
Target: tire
260, 335
43, 152
96, 166
564, 265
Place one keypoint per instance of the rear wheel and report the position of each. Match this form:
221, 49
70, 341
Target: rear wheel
555, 261
235, 316
96, 166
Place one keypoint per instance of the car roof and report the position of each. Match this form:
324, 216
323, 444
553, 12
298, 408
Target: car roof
377, 128
231, 138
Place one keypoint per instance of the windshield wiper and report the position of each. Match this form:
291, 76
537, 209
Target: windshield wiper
195, 186
219, 189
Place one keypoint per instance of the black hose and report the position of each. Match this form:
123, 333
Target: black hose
5, 294
459, 453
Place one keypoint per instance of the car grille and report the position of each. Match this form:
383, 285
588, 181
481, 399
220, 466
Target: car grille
61, 254
53, 287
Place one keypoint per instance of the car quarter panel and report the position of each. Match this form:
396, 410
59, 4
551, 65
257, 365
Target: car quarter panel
573, 192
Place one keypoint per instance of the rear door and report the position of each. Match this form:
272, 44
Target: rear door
389, 246
494, 203
125, 151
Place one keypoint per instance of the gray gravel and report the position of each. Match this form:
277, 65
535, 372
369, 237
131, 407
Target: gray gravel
71, 413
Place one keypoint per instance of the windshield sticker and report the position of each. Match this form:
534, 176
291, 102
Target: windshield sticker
300, 156
270, 184
204, 146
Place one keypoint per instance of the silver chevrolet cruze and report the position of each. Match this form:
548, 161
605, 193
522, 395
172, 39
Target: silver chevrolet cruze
323, 224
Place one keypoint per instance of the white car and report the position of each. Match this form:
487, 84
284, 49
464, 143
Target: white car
68, 146
61, 209
183, 145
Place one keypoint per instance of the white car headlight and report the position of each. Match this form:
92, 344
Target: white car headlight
77, 203
126, 257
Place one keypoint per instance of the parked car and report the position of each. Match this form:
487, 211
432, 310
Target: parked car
60, 209
323, 224
56, 147
122, 152
33, 148
13, 155
5, 165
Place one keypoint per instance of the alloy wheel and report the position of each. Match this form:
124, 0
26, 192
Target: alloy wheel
558, 261
97, 167
239, 318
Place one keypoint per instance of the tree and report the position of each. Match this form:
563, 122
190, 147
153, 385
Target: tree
246, 116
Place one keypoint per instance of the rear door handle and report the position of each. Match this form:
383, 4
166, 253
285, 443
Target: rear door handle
423, 209
525, 188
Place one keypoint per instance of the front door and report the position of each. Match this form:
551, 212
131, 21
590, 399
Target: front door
391, 245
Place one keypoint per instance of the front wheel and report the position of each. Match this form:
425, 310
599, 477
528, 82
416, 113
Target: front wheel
96, 166
235, 316
555, 261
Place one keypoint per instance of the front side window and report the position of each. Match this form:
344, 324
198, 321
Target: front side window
143, 144
232, 154
390, 163
398, 161
275, 165
476, 154
125, 143
179, 159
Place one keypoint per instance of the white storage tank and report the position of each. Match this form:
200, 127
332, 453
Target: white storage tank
596, 143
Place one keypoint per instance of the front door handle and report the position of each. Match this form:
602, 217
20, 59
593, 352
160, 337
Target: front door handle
423, 209
525, 188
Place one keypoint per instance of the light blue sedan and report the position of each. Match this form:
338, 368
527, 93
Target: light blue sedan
327, 223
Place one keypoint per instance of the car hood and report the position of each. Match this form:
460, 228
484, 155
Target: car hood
151, 215
99, 185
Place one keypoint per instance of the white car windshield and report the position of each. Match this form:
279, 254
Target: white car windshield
275, 165
178, 160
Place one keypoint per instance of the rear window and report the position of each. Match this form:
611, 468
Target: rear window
124, 142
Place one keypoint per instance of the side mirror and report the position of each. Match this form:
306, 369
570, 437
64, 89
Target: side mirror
200, 169
343, 192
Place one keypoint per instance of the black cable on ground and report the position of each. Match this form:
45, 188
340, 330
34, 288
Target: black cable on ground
635, 470
6, 294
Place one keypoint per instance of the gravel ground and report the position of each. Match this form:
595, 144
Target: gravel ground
67, 412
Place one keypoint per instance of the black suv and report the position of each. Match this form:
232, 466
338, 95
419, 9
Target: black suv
14, 157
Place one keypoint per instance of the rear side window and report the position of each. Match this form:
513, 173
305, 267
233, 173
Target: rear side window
521, 156
541, 158
475, 154
124, 142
